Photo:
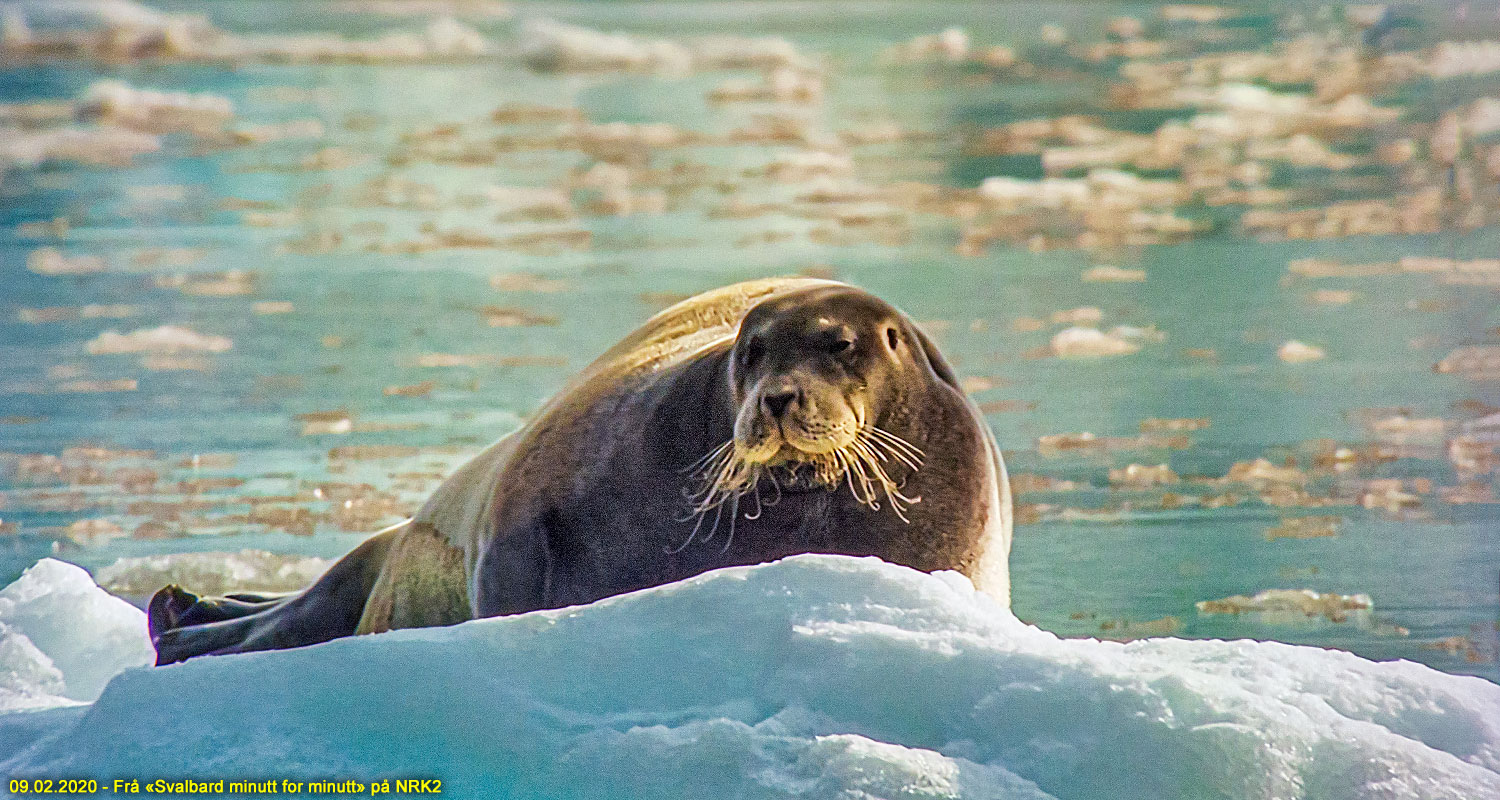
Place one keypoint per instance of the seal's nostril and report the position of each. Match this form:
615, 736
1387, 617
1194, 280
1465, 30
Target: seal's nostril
777, 402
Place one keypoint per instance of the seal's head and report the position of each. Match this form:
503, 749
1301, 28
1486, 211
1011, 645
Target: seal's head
813, 374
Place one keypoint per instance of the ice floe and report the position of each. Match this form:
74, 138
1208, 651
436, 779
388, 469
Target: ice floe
165, 339
62, 638
815, 676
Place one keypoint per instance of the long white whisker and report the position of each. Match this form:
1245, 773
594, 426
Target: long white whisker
898, 442
703, 463
838, 456
755, 490
871, 499
777, 484
718, 515
734, 512
689, 540
886, 450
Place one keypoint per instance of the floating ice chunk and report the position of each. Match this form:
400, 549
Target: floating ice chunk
1313, 527
86, 14
107, 146
1112, 274
51, 261
1174, 425
1142, 476
805, 165
265, 307
1482, 117
1335, 607
1388, 494
1109, 188
1055, 35
1090, 343
1243, 97
1356, 110
817, 676
166, 339
1452, 59
746, 52
422, 8
550, 201
1401, 427
1295, 352
1079, 315
14, 31
1044, 193
1195, 14
86, 636
90, 532
192, 37
145, 109
1148, 333
34, 316
781, 84
553, 46
212, 573
278, 131
1332, 296
1126, 28
952, 44
1261, 472
1475, 362
447, 36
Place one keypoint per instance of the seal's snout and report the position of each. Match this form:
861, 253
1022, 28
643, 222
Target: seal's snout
779, 401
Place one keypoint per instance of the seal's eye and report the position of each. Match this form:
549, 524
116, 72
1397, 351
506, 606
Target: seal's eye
840, 345
890, 338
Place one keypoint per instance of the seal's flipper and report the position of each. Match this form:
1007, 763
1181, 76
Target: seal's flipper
184, 625
255, 597
166, 608
181, 644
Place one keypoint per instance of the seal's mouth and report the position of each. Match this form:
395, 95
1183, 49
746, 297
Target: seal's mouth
796, 476
759, 475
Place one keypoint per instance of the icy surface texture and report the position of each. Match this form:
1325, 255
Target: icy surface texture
817, 676
62, 638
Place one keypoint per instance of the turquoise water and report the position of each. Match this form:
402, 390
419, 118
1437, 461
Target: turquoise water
360, 322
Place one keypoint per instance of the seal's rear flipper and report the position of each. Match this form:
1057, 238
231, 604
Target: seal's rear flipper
184, 625
256, 597
166, 608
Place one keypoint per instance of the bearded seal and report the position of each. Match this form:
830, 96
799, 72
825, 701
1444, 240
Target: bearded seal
743, 425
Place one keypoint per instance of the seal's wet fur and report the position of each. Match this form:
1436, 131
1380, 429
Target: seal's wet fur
593, 497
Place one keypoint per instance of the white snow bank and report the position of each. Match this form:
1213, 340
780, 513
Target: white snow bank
816, 676
62, 638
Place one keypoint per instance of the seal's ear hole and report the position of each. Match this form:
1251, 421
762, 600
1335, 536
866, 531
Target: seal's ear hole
891, 338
